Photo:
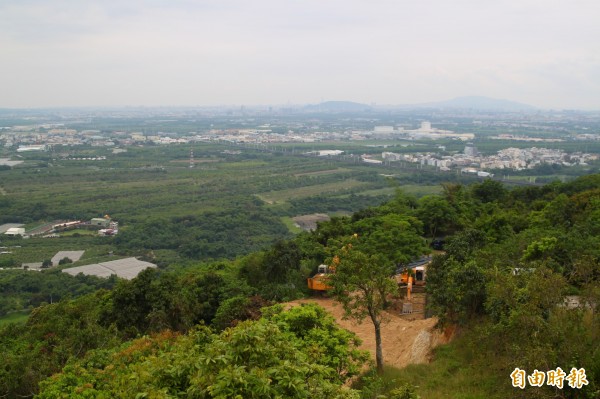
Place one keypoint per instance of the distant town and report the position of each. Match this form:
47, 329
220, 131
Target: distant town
470, 161
246, 127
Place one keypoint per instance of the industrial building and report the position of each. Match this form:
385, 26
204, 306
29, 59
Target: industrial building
127, 268
15, 231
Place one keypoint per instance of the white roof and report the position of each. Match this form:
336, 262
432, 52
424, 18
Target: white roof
15, 231
127, 268
4, 228
73, 255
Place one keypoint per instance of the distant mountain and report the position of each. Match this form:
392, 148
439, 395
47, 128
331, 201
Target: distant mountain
338, 106
479, 103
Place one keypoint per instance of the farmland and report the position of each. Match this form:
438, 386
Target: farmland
169, 210
307, 191
233, 200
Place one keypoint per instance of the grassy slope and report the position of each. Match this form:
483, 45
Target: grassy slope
451, 374
17, 317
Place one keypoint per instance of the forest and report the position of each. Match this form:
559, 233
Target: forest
212, 328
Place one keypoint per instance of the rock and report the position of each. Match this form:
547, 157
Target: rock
421, 347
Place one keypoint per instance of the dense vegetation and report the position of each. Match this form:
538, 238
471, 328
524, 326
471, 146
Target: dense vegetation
300, 353
511, 256
23, 290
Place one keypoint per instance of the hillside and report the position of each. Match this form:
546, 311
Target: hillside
510, 260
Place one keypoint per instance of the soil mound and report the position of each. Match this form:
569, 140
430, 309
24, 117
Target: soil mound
404, 341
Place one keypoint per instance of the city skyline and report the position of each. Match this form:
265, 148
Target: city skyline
184, 53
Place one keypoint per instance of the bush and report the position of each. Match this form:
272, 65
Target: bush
65, 261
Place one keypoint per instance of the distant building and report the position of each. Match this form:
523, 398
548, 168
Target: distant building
326, 153
25, 148
426, 126
127, 268
471, 150
372, 161
15, 231
392, 156
379, 129
101, 222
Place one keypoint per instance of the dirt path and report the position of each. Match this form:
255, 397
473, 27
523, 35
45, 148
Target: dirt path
404, 342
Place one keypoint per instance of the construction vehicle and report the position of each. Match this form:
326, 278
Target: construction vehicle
412, 277
319, 282
416, 270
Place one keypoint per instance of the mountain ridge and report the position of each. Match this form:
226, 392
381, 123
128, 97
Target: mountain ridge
480, 103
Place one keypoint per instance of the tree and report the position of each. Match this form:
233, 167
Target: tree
455, 290
437, 215
282, 260
395, 237
299, 353
361, 283
489, 191
65, 261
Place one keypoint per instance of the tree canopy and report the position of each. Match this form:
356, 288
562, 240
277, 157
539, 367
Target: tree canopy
362, 284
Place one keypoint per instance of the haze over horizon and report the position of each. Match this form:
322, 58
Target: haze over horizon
227, 52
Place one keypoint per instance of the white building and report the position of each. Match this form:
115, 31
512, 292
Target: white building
380, 129
471, 150
25, 148
15, 231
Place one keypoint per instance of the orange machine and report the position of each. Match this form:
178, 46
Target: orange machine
417, 270
319, 281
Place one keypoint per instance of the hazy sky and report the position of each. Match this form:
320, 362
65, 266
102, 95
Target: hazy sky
214, 52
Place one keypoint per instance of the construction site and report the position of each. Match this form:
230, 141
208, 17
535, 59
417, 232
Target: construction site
408, 335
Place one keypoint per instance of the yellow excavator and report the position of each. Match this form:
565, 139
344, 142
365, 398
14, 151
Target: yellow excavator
319, 282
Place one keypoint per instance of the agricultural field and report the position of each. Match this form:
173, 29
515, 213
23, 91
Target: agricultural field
229, 203
165, 207
274, 197
40, 249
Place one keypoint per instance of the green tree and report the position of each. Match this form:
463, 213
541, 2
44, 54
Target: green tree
65, 261
362, 283
394, 237
437, 215
237, 309
300, 353
456, 291
489, 191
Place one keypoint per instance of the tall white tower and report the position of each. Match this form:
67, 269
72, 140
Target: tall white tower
426, 126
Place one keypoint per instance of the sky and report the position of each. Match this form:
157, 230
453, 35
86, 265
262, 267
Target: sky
271, 52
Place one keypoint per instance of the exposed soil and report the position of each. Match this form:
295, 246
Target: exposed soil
404, 341
309, 222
